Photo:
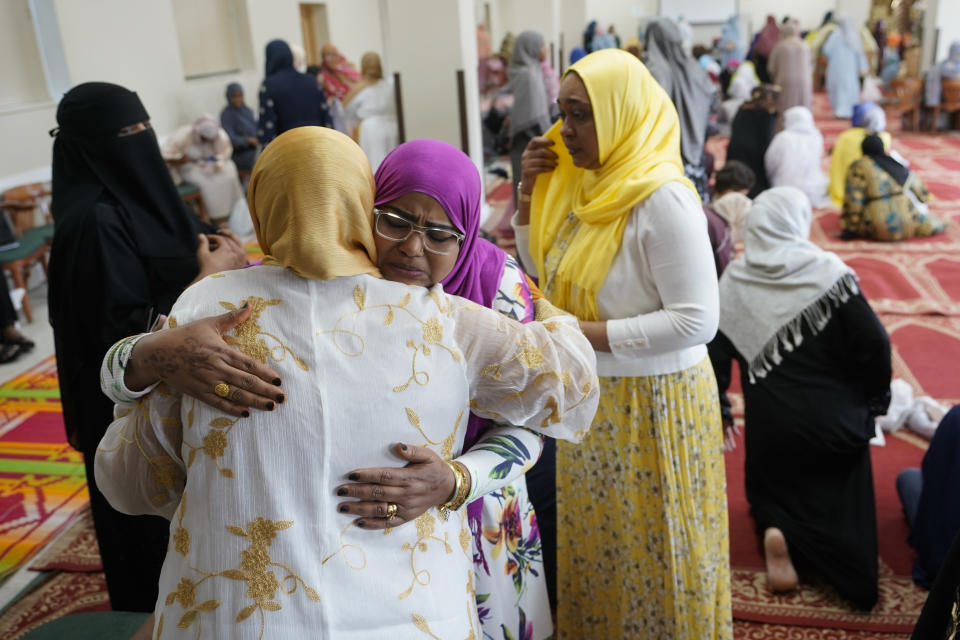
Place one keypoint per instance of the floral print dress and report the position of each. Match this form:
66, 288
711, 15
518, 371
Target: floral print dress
512, 600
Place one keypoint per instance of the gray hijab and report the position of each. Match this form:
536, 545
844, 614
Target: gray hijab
530, 104
685, 82
781, 282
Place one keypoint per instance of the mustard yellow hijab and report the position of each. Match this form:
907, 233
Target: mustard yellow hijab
638, 134
311, 200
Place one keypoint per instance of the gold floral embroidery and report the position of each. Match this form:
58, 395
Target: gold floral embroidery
426, 526
446, 445
172, 322
344, 546
247, 336
214, 443
255, 570
165, 472
181, 537
432, 333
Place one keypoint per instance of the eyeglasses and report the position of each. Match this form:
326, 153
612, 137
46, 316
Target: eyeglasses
391, 226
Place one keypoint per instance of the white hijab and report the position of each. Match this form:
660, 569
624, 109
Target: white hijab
793, 157
781, 282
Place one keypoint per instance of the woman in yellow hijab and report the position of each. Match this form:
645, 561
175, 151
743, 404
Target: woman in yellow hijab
618, 237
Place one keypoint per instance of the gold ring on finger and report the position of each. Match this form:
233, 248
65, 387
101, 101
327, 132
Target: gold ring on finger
222, 390
391, 510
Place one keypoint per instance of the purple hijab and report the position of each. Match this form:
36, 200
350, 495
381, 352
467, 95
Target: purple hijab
447, 175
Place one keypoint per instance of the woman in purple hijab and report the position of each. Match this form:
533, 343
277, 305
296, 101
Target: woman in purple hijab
436, 186
427, 218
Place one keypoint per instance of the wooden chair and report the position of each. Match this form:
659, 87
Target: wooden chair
194, 199
905, 100
17, 261
23, 201
949, 103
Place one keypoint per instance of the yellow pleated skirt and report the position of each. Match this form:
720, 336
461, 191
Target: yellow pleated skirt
642, 537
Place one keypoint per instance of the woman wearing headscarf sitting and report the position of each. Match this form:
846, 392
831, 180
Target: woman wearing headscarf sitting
514, 548
752, 132
928, 496
530, 116
240, 124
948, 69
371, 112
124, 248
846, 62
617, 236
815, 369
763, 46
884, 200
258, 509
732, 184
849, 145
691, 91
288, 98
793, 158
201, 153
791, 69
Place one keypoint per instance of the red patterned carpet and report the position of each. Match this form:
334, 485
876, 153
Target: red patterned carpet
915, 288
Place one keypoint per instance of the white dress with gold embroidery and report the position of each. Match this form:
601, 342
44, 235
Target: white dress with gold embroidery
257, 547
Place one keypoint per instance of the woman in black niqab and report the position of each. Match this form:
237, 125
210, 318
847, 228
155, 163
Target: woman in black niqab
124, 248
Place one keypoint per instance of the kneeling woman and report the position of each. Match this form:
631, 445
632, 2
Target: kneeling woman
815, 369
884, 200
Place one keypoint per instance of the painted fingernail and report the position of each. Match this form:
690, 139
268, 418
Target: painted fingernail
341, 491
403, 446
276, 382
354, 476
245, 413
360, 524
344, 508
280, 398
244, 306
270, 406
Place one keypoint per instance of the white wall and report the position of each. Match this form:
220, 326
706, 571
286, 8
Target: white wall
134, 43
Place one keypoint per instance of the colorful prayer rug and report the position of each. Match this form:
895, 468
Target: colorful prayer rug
42, 479
62, 595
75, 550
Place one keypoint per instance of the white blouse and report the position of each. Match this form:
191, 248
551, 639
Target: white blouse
660, 297
258, 549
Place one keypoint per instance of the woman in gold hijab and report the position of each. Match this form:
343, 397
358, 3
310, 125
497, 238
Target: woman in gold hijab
260, 545
618, 238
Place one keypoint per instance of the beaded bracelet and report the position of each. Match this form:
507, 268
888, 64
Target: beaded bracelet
461, 489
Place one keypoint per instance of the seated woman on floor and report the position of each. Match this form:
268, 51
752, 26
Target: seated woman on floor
929, 498
793, 158
884, 200
868, 118
202, 154
815, 370
730, 201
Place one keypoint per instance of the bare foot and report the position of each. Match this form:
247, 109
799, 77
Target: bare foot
781, 576
146, 631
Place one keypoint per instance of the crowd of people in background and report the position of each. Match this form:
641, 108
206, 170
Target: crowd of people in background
605, 509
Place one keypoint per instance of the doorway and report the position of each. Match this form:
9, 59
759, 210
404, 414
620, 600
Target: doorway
313, 24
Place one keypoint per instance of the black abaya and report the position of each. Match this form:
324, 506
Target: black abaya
807, 433
751, 133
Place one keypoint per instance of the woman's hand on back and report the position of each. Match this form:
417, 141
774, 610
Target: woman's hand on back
426, 481
218, 252
194, 359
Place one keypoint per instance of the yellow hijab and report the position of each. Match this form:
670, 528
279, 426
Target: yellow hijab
638, 134
311, 200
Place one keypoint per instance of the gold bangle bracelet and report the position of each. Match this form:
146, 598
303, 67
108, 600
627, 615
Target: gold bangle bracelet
461, 489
